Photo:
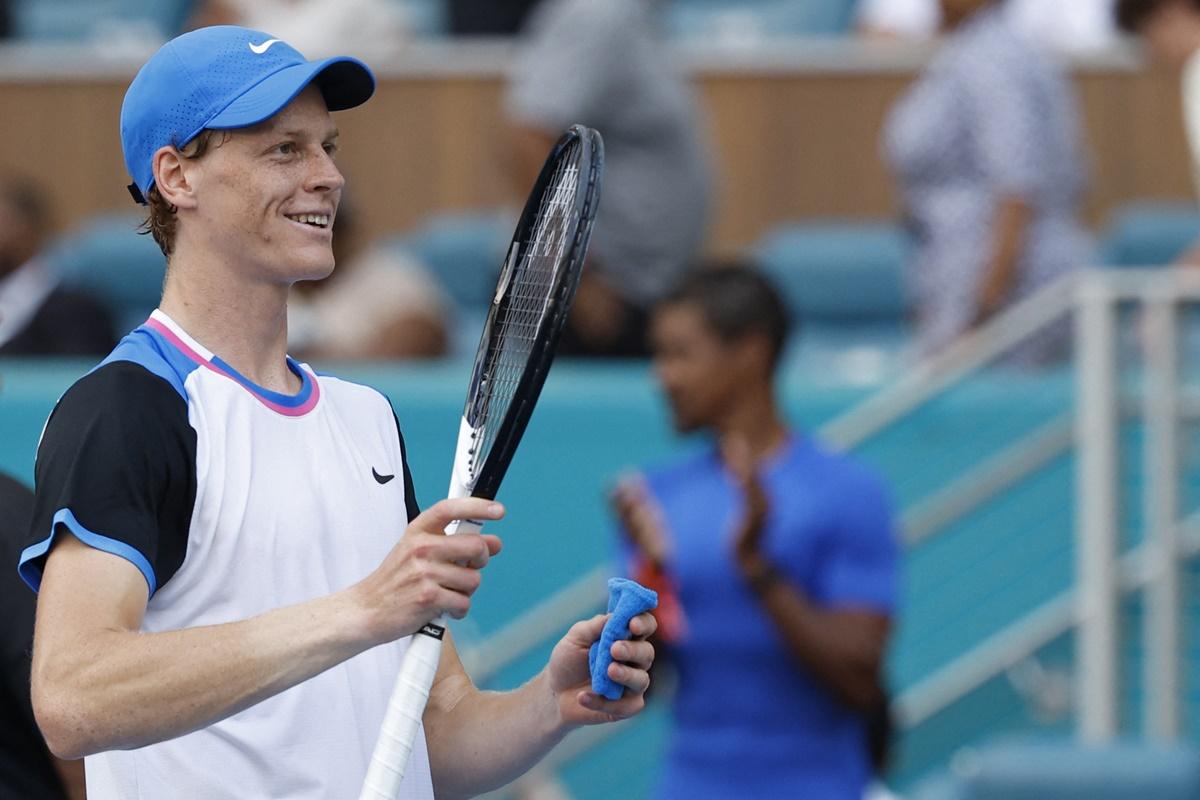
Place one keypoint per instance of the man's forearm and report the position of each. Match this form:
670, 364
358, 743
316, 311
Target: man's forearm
1009, 229
491, 738
119, 689
842, 649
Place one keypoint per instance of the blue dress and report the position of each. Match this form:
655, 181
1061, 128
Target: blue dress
750, 721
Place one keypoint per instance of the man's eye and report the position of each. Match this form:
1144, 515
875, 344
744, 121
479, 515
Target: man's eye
285, 148
331, 148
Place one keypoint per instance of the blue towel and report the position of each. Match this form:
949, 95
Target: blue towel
626, 599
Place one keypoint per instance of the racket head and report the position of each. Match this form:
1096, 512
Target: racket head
529, 309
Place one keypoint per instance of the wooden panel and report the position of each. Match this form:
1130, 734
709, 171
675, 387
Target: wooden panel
788, 144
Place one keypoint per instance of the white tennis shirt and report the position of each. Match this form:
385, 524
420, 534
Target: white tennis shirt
233, 500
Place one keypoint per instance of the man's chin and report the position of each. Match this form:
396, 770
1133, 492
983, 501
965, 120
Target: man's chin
315, 271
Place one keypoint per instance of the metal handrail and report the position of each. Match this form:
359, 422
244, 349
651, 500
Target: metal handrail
1023, 638
581, 597
934, 375
977, 486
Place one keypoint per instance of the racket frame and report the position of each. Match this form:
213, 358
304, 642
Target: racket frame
406, 706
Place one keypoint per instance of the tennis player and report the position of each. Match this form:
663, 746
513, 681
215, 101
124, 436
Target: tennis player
229, 554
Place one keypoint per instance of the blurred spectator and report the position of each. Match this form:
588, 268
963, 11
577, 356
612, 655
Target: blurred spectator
37, 316
986, 148
317, 28
27, 769
769, 534
1067, 26
1171, 29
378, 304
603, 63
487, 17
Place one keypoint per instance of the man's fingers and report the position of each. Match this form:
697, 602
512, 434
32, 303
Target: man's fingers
435, 518
643, 626
632, 678
633, 653
585, 632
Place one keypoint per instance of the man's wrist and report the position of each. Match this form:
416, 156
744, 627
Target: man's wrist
760, 574
555, 723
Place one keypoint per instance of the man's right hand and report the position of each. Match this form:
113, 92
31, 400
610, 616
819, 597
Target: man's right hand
428, 573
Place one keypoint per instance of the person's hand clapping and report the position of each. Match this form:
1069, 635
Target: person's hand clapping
747, 540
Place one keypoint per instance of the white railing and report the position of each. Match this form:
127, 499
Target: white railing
1102, 575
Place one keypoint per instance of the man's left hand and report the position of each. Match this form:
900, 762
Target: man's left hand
570, 679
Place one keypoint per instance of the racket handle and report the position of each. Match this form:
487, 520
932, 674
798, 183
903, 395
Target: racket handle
404, 712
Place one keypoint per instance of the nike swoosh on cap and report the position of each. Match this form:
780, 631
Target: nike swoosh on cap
259, 49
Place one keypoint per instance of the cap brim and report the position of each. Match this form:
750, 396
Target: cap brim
344, 82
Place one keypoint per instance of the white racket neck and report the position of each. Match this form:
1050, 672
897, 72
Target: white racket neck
462, 476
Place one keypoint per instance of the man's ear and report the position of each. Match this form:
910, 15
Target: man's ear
172, 176
753, 353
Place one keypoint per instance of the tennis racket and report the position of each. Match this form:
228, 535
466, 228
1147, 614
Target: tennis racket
525, 320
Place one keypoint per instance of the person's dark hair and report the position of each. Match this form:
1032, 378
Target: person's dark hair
27, 201
1131, 15
736, 300
161, 221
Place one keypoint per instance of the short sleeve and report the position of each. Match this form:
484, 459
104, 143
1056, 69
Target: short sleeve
859, 557
411, 507
116, 468
575, 54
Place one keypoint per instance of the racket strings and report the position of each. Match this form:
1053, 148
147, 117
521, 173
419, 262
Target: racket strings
527, 300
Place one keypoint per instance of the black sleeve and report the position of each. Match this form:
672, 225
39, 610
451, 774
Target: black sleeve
116, 467
25, 766
410, 494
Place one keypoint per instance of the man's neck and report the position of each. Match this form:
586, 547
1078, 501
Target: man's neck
757, 422
241, 320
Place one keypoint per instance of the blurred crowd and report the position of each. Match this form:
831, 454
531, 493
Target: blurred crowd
984, 147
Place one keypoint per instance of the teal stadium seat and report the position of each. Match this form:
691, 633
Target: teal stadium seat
709, 19
1145, 234
1068, 771
464, 251
839, 271
109, 259
844, 281
79, 20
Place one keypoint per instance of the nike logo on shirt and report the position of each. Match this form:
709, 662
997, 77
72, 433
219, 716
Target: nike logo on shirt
259, 49
381, 478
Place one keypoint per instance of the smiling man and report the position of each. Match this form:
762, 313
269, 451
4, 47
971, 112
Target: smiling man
227, 583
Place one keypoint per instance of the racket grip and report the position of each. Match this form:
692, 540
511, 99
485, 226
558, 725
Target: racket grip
403, 718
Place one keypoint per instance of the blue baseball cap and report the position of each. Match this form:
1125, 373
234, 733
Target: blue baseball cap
223, 77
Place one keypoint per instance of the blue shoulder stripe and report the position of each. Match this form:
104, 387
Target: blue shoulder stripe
33, 557
147, 348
